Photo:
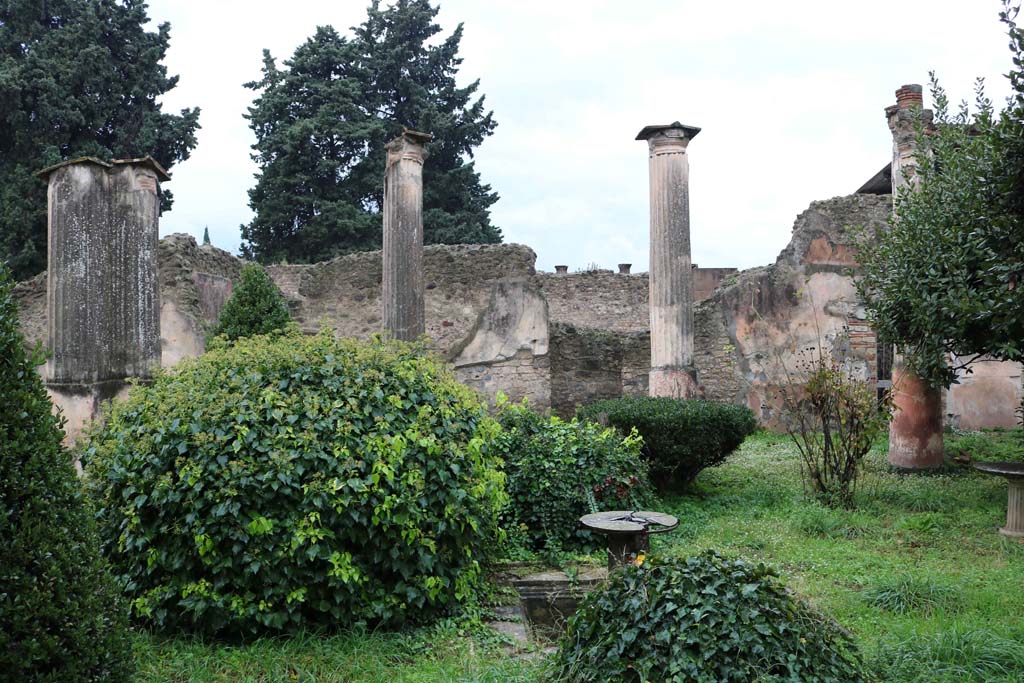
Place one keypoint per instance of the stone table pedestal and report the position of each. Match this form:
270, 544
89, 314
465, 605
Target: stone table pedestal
1014, 474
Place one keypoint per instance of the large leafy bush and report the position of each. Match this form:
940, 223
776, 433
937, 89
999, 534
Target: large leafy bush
701, 620
297, 480
559, 471
681, 437
256, 306
60, 617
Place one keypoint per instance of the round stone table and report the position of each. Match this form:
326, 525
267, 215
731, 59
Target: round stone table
1014, 474
627, 531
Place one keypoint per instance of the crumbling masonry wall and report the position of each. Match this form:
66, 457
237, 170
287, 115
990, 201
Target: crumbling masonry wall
563, 340
754, 329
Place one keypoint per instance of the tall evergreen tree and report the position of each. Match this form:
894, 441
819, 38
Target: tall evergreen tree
77, 78
321, 125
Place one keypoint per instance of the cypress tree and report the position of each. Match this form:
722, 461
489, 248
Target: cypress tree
321, 124
77, 78
60, 612
256, 306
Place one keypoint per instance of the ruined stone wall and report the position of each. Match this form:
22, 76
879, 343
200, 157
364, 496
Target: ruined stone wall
598, 299
563, 340
195, 281
763, 322
30, 296
604, 300
588, 365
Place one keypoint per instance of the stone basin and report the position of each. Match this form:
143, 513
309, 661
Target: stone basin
549, 598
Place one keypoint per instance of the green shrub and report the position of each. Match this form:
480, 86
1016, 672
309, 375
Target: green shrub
559, 471
297, 480
60, 618
701, 620
256, 306
681, 437
833, 418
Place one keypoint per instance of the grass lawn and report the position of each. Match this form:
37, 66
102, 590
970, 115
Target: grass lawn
917, 572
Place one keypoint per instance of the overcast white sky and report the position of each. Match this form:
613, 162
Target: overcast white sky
789, 94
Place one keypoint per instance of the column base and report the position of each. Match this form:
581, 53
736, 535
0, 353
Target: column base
82, 403
915, 434
674, 382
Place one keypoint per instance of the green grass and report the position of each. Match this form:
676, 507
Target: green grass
448, 652
917, 572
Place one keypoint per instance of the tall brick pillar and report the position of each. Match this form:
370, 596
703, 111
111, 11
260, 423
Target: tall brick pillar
403, 236
103, 297
915, 434
671, 284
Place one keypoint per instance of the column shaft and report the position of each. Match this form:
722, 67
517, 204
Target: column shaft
915, 434
671, 279
403, 237
103, 311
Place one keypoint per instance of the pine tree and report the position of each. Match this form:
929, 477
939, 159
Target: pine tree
77, 78
256, 306
206, 234
59, 609
321, 125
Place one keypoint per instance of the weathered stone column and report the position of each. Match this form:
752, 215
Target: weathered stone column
103, 307
403, 236
671, 285
915, 434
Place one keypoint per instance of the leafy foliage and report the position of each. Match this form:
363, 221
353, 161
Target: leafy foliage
256, 306
833, 418
77, 78
61, 617
559, 471
681, 437
703, 620
321, 125
946, 278
297, 480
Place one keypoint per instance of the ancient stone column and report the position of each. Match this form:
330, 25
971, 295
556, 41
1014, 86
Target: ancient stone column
671, 287
103, 307
915, 434
403, 236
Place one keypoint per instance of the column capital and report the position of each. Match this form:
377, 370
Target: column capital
674, 135
409, 145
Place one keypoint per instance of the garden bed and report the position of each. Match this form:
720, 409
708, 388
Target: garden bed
918, 573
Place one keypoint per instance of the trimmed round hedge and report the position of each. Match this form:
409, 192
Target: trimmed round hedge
293, 480
701, 620
558, 471
681, 436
